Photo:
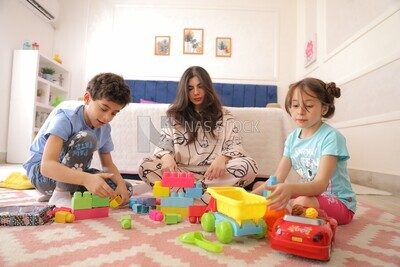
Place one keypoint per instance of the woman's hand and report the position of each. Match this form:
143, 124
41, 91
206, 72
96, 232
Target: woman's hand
217, 168
168, 164
280, 196
98, 186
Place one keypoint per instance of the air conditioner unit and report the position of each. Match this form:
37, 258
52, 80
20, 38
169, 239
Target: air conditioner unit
47, 10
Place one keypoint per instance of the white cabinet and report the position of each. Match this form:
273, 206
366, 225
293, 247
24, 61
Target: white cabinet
28, 110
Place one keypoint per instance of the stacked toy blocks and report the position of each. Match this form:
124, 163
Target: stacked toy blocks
88, 206
177, 203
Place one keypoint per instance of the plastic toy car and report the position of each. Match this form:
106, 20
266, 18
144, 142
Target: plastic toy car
234, 212
306, 237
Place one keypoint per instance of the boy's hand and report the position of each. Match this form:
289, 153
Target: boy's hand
168, 164
217, 168
96, 185
280, 196
123, 192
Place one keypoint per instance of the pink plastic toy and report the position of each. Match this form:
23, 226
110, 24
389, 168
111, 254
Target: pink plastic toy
156, 215
174, 179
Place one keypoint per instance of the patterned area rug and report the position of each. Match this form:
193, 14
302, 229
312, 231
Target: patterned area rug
372, 239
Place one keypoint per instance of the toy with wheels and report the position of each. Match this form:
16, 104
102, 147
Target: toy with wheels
233, 211
307, 237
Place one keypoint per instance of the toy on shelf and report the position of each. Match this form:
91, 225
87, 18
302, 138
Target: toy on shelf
126, 222
57, 58
271, 216
35, 46
302, 236
197, 238
88, 206
26, 46
236, 213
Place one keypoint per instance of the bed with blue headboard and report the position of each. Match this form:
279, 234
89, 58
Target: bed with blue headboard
232, 95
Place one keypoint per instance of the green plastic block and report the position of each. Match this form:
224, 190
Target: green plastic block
100, 201
82, 202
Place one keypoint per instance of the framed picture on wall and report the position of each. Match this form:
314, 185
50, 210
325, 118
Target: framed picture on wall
193, 41
223, 47
162, 45
310, 51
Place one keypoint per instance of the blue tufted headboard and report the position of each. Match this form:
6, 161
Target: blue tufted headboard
232, 95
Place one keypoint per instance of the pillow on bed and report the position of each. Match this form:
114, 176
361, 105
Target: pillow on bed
144, 101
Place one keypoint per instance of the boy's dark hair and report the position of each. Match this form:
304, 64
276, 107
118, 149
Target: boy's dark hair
111, 87
325, 92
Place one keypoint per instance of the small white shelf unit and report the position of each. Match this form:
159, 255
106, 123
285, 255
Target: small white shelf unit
28, 111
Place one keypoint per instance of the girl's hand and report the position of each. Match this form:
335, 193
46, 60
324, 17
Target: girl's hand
168, 164
217, 168
98, 186
280, 196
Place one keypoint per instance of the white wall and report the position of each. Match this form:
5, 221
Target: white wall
358, 47
119, 37
93, 36
17, 25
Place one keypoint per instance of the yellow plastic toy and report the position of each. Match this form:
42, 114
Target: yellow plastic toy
311, 213
116, 202
239, 204
57, 58
64, 217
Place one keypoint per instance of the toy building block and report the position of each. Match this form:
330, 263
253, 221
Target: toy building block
126, 222
159, 190
56, 209
173, 179
116, 202
184, 212
100, 201
177, 200
195, 213
64, 217
91, 213
140, 209
81, 201
195, 192
156, 215
271, 181
146, 201
172, 218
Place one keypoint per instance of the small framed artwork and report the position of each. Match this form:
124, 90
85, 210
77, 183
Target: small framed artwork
193, 41
162, 45
310, 51
223, 47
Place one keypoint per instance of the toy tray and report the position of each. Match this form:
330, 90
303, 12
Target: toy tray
25, 215
238, 204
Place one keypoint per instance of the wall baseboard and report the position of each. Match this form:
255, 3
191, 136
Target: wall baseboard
381, 181
3, 157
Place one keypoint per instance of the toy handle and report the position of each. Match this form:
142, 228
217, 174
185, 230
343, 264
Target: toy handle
208, 245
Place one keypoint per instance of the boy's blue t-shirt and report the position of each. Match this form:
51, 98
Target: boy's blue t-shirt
305, 155
64, 123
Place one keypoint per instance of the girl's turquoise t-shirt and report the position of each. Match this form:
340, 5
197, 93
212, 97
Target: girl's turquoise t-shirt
306, 154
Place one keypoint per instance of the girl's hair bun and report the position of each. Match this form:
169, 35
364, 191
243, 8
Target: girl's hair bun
333, 90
